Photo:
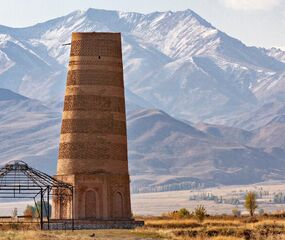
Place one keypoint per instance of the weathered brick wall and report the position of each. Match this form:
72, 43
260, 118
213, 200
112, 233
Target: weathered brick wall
93, 140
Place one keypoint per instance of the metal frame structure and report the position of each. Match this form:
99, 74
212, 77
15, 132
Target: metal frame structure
20, 181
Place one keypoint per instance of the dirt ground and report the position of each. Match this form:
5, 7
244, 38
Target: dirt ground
138, 234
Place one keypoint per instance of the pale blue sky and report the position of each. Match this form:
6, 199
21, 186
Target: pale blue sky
255, 22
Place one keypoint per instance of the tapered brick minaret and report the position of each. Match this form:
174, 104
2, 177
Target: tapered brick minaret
93, 142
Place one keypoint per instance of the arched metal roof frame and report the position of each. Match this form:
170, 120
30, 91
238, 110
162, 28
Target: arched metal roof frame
18, 180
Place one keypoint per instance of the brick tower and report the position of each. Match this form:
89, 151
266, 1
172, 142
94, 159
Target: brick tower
93, 142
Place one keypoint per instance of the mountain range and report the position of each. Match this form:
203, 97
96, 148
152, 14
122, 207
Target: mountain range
203, 107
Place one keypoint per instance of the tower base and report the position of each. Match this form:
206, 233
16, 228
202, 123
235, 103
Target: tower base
93, 224
100, 196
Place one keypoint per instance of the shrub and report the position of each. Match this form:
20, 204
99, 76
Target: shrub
183, 213
200, 213
29, 212
261, 212
236, 212
173, 214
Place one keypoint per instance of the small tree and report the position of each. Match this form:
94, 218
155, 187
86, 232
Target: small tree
15, 213
200, 213
236, 212
30, 211
250, 203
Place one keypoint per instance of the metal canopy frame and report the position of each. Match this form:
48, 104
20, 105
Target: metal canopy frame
20, 181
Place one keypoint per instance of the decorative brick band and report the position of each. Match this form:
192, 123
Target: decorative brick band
77, 114
79, 150
97, 62
107, 126
92, 77
105, 91
119, 151
78, 166
102, 36
94, 47
96, 59
115, 69
87, 137
93, 150
96, 103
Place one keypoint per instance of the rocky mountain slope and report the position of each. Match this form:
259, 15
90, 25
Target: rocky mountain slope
29, 131
164, 148
164, 153
176, 61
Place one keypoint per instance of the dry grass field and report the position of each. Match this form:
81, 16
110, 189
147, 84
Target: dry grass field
212, 228
220, 227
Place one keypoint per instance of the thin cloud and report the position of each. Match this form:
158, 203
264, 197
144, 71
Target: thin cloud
251, 5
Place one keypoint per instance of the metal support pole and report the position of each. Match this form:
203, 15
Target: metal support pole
42, 222
36, 205
48, 208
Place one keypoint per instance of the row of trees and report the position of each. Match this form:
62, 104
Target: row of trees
216, 199
279, 198
170, 187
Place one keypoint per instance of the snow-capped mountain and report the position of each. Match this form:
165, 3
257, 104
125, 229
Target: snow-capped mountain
176, 61
177, 66
276, 53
